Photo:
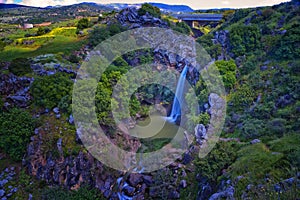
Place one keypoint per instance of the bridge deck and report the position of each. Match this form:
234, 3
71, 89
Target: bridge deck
200, 17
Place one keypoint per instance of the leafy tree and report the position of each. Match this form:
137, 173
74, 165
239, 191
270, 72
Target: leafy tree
98, 35
83, 23
148, 8
42, 30
16, 127
115, 29
49, 91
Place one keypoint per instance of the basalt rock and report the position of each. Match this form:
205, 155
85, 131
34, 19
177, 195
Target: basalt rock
130, 17
15, 90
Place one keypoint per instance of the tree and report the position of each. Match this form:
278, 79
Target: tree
98, 35
148, 8
82, 24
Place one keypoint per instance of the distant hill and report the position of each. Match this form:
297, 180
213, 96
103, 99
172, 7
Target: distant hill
7, 6
163, 7
173, 8
116, 6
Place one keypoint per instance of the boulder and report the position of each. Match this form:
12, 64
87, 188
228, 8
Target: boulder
200, 131
228, 194
134, 179
2, 193
128, 190
255, 141
183, 183
174, 195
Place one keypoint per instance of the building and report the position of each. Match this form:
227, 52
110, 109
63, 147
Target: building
42, 24
27, 26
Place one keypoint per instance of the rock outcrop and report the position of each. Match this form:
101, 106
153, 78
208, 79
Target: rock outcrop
130, 17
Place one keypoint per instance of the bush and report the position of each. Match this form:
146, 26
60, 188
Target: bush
82, 24
182, 27
287, 48
49, 91
219, 158
20, 66
16, 127
244, 39
227, 70
2, 45
74, 59
101, 33
98, 35
58, 193
214, 50
148, 8
243, 97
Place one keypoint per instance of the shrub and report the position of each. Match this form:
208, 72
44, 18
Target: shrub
148, 8
219, 158
2, 45
74, 59
16, 127
82, 24
287, 48
58, 193
49, 91
244, 39
20, 66
182, 27
101, 33
227, 70
242, 97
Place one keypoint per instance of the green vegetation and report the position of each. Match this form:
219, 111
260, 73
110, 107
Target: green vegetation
58, 193
16, 127
228, 71
256, 53
244, 39
148, 8
20, 67
182, 27
101, 33
59, 40
47, 93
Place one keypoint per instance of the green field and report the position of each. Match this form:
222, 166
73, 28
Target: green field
59, 40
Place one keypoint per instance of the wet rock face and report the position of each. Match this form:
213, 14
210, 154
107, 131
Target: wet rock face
130, 17
15, 90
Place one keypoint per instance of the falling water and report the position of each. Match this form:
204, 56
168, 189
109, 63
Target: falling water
178, 99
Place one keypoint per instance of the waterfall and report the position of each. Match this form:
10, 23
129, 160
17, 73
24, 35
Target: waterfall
178, 99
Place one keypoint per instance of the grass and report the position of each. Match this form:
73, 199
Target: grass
59, 40
256, 160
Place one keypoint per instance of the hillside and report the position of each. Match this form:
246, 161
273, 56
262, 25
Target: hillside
45, 155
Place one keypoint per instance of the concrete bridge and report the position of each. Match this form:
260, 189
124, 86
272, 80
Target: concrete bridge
195, 20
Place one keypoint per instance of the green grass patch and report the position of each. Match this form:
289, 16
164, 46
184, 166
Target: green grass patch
255, 161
